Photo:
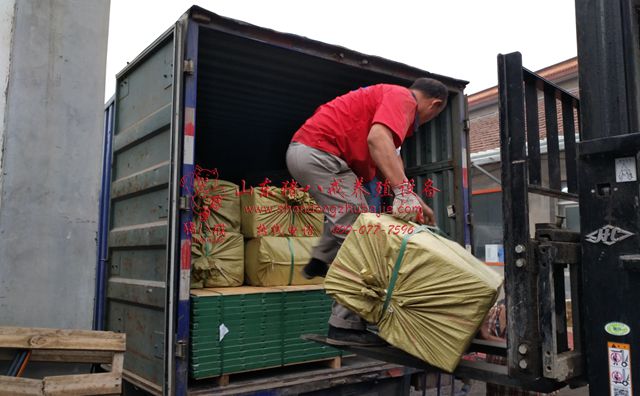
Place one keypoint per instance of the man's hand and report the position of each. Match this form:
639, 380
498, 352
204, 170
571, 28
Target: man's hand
429, 217
407, 205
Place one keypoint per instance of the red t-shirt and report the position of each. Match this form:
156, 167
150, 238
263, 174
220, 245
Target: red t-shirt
341, 126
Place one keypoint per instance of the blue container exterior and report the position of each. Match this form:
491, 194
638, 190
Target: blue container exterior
103, 226
186, 217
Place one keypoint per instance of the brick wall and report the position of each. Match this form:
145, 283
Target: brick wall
483, 108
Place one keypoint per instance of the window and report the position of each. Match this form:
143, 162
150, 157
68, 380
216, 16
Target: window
487, 225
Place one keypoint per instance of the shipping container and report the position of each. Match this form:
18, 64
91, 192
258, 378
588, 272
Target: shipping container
222, 94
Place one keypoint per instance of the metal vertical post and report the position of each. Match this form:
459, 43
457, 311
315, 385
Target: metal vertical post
609, 59
174, 270
186, 216
523, 355
568, 127
466, 184
103, 227
607, 35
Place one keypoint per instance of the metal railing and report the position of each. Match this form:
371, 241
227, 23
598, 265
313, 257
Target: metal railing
538, 346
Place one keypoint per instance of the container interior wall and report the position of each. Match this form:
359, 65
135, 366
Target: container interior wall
429, 159
253, 96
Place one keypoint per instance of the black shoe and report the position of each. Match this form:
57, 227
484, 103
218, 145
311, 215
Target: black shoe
338, 336
315, 268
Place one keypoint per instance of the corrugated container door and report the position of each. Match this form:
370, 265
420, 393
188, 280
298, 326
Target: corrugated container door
436, 158
139, 280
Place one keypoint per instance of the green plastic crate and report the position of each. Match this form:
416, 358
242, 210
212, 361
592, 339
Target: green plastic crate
265, 325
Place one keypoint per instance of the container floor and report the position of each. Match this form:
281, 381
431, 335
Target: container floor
297, 379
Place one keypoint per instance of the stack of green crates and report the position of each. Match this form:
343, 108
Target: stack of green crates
264, 327
305, 312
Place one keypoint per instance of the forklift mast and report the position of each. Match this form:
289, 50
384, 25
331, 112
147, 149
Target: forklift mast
609, 76
599, 170
542, 354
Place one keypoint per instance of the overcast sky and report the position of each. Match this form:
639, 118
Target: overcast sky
457, 38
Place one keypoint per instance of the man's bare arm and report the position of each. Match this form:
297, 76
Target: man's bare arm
383, 152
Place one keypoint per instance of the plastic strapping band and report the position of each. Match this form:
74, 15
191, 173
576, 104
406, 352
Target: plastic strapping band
293, 215
292, 260
437, 231
396, 267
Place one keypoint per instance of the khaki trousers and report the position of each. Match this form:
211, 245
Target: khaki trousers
341, 204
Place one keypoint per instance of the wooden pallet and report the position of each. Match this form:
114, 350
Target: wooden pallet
228, 291
64, 346
225, 379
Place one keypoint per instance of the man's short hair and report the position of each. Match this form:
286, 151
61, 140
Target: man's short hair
431, 88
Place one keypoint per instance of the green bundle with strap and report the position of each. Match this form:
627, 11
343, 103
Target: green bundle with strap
217, 202
270, 212
277, 261
427, 294
217, 260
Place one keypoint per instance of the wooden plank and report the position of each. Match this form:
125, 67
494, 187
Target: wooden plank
14, 386
40, 338
203, 293
117, 364
62, 356
328, 362
9, 330
335, 363
230, 291
226, 379
254, 370
298, 382
222, 380
227, 291
43, 342
142, 383
300, 288
83, 384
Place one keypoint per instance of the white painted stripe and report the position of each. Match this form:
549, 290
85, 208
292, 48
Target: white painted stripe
188, 150
185, 284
